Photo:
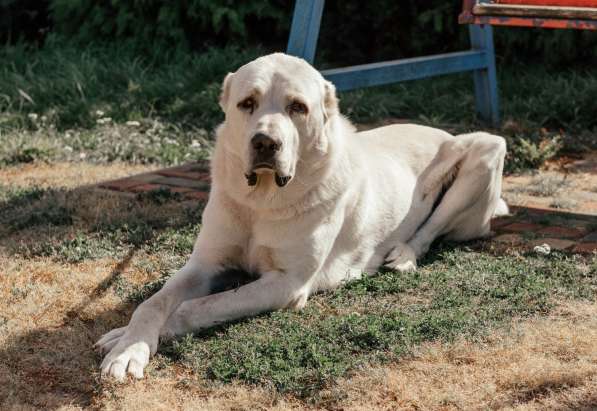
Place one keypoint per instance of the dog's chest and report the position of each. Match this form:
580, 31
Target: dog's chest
262, 254
261, 259
276, 245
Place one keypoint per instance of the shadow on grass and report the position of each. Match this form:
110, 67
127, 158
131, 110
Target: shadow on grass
459, 290
56, 366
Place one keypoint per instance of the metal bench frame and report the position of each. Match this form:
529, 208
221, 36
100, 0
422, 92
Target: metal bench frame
480, 60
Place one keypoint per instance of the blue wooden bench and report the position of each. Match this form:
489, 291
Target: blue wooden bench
480, 60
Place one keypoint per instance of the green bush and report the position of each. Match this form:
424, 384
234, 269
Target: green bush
395, 28
23, 20
408, 28
186, 24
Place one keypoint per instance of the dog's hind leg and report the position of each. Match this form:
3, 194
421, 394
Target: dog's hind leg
473, 198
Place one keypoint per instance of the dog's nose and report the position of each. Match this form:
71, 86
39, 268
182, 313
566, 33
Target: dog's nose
264, 145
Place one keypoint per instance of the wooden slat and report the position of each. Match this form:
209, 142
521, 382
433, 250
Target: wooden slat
532, 22
486, 9
561, 3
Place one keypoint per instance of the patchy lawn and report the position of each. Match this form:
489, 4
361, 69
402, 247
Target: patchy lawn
478, 326
473, 328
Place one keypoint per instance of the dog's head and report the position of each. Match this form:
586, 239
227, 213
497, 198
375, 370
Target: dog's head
276, 107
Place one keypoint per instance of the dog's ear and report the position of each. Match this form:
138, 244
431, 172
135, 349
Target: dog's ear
225, 94
330, 101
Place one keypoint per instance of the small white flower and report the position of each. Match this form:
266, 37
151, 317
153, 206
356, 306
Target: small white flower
543, 249
133, 123
83, 155
195, 144
99, 113
32, 116
68, 149
104, 120
43, 119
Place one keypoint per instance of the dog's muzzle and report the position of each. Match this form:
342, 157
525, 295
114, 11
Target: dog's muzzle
265, 150
281, 181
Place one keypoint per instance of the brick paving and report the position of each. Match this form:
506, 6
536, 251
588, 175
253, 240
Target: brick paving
191, 181
524, 229
528, 227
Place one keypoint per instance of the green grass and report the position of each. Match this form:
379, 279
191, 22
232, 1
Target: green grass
63, 103
376, 320
459, 291
68, 85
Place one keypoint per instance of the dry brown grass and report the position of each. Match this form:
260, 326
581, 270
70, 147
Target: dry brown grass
56, 311
562, 185
68, 175
51, 313
545, 363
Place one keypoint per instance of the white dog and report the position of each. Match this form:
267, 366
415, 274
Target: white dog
301, 199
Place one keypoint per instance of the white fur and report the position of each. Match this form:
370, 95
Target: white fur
355, 202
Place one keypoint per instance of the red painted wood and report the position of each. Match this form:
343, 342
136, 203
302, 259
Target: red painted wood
562, 3
532, 22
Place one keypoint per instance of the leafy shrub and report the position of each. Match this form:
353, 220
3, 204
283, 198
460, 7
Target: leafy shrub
191, 23
402, 28
23, 20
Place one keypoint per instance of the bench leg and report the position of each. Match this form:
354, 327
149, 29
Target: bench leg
486, 89
305, 29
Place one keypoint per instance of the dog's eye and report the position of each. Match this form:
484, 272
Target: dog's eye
296, 107
247, 104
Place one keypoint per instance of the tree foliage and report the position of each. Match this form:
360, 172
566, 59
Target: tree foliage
352, 31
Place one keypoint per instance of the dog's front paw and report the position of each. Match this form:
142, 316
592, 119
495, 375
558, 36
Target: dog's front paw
109, 340
402, 258
127, 354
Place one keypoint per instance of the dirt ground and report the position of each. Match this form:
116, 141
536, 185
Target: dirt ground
52, 312
567, 183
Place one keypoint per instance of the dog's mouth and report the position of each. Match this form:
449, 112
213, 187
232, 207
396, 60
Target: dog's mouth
263, 166
281, 181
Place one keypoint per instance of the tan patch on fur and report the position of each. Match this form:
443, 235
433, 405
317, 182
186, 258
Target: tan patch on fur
262, 260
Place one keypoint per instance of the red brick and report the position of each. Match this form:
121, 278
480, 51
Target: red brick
562, 232
180, 182
590, 238
124, 184
585, 248
521, 227
200, 166
554, 243
496, 223
205, 177
508, 239
146, 187
181, 190
197, 195
171, 172
533, 209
